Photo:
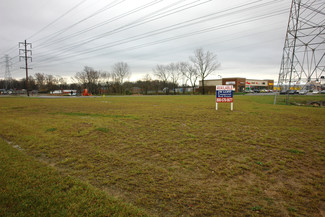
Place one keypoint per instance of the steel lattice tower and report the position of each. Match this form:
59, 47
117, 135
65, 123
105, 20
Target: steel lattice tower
303, 58
7, 77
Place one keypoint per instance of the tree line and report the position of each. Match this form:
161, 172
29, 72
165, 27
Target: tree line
166, 78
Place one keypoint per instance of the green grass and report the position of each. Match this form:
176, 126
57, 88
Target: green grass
103, 129
299, 99
30, 188
95, 115
51, 130
177, 155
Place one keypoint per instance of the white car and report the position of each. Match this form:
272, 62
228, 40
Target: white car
303, 92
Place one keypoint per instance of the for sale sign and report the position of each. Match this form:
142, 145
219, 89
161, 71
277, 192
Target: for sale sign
224, 93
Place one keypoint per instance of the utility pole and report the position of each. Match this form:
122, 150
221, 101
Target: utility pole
303, 57
27, 55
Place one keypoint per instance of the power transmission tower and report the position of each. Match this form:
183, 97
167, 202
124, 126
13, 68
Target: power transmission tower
7, 77
303, 57
27, 55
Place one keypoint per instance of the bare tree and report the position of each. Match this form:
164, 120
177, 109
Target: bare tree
51, 82
31, 83
157, 85
190, 73
205, 64
62, 82
105, 80
40, 80
92, 75
89, 78
181, 66
162, 74
105, 77
120, 72
175, 74
146, 83
81, 78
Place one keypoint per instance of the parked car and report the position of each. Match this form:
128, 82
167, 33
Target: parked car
322, 92
249, 91
283, 92
303, 92
316, 91
256, 91
3, 91
293, 92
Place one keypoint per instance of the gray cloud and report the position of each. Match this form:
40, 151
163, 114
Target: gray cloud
248, 42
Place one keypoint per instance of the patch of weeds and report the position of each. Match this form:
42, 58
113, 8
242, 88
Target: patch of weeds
206, 152
294, 129
51, 129
269, 200
292, 209
259, 163
295, 151
68, 161
34, 110
95, 115
102, 129
244, 167
17, 108
256, 208
190, 135
266, 168
81, 133
223, 150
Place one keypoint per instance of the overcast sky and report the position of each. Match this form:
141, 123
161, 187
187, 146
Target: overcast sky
246, 35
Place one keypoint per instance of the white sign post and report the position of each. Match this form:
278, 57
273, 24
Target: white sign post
224, 94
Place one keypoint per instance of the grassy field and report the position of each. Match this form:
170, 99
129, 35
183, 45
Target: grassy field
30, 188
177, 155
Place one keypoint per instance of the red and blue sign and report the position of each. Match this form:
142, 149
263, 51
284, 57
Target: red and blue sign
224, 93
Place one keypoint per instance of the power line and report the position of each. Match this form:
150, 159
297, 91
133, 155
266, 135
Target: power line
70, 36
175, 26
155, 32
218, 27
14, 48
66, 52
57, 19
119, 29
108, 6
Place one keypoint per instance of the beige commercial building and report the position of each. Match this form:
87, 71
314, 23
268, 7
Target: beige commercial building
240, 84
